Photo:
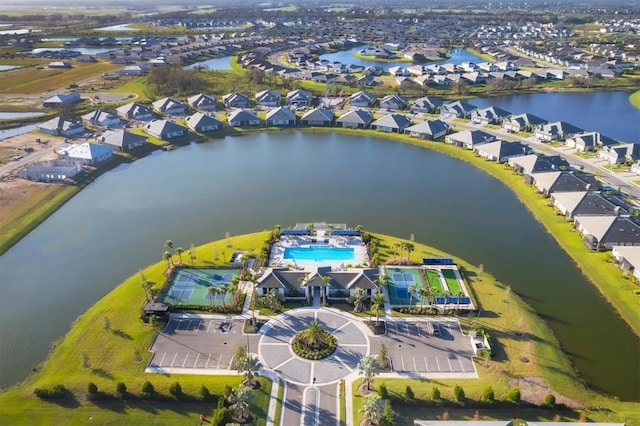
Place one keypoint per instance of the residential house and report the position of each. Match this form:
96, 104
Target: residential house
393, 102
502, 151
268, 98
469, 139
135, 111
299, 98
133, 70
169, 106
236, 100
584, 203
522, 123
318, 117
61, 127
242, 118
425, 104
589, 141
490, 115
61, 99
88, 153
558, 130
605, 232
59, 65
362, 99
532, 163
201, 122
49, 171
366, 80
202, 102
102, 118
619, 154
280, 116
355, 119
628, 259
430, 129
565, 181
392, 123
457, 109
123, 140
165, 129
399, 71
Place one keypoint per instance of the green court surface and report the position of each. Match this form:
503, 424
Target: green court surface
452, 282
190, 286
434, 282
400, 279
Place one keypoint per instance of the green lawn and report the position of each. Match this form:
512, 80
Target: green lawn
635, 99
434, 281
452, 282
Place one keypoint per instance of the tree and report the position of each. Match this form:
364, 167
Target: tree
240, 400
222, 291
167, 256
549, 400
211, 293
377, 302
383, 392
222, 417
205, 395
358, 297
168, 245
388, 415
408, 393
395, 246
92, 390
314, 335
176, 390
233, 289
383, 357
435, 394
410, 248
369, 368
487, 395
372, 407
424, 294
179, 251
458, 394
121, 390
249, 365
411, 290
192, 255
147, 390
514, 395
326, 280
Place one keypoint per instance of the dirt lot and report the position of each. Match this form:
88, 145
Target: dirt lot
27, 146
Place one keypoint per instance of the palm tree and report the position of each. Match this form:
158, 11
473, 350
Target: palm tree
377, 302
167, 256
249, 365
240, 400
180, 250
168, 245
380, 282
233, 289
369, 368
372, 408
359, 296
192, 254
326, 280
395, 248
211, 292
447, 294
411, 290
314, 335
409, 247
222, 291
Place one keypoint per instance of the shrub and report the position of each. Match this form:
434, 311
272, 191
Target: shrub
383, 392
147, 390
92, 390
458, 394
514, 395
121, 390
56, 392
205, 395
549, 400
176, 390
408, 393
388, 415
487, 395
435, 394
221, 417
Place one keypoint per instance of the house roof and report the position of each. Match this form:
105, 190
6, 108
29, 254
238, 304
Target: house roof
491, 112
398, 100
560, 127
563, 181
363, 96
121, 138
281, 113
85, 151
267, 95
59, 123
199, 119
617, 229
295, 279
159, 127
242, 115
429, 127
533, 163
167, 103
318, 114
395, 121
460, 107
630, 253
427, 102
299, 93
235, 96
587, 203
359, 116
500, 149
99, 115
134, 108
201, 100
472, 137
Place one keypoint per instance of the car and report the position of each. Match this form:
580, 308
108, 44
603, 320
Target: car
436, 330
17, 157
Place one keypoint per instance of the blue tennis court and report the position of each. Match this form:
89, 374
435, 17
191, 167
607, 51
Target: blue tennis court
190, 286
400, 279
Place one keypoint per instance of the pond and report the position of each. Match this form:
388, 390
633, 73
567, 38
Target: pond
81, 50
120, 27
250, 183
14, 115
8, 67
223, 63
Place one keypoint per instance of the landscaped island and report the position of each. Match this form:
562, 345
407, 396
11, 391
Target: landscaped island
98, 368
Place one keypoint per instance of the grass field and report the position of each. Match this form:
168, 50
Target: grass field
37, 81
434, 282
635, 99
119, 353
452, 282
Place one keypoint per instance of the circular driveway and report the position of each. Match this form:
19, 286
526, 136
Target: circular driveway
275, 346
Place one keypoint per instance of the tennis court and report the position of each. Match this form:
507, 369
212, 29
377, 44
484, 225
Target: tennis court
400, 279
191, 287
452, 281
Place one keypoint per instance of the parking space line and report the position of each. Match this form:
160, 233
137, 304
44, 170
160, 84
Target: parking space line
219, 361
162, 360
174, 359
415, 366
449, 361
402, 359
195, 364
438, 364
418, 330
185, 360
426, 363
210, 322
395, 324
208, 359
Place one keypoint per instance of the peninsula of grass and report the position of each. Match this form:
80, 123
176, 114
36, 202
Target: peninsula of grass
107, 355
381, 60
635, 99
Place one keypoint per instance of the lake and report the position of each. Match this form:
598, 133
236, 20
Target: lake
121, 27
457, 56
245, 184
8, 67
14, 115
223, 63
81, 50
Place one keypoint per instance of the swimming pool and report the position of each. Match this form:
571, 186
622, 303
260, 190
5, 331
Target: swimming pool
319, 253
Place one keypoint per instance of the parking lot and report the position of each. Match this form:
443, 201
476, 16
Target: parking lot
426, 346
199, 342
